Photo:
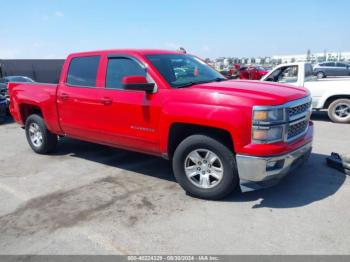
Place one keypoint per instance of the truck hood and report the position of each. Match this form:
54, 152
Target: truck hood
267, 93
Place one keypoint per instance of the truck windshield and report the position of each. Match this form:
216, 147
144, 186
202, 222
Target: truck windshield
181, 70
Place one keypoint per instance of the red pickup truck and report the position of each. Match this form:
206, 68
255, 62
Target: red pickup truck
218, 133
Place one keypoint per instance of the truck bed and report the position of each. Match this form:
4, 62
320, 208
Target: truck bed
31, 97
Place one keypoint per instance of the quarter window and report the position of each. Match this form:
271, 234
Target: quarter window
118, 68
83, 71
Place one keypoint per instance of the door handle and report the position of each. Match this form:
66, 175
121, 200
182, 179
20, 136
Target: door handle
64, 96
106, 101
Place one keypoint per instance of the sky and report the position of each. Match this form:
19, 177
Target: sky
55, 28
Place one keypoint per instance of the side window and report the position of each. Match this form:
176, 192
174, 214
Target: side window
329, 64
83, 71
341, 65
118, 68
288, 75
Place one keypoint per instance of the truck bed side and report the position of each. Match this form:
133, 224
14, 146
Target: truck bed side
26, 99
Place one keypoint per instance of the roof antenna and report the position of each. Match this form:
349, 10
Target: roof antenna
182, 50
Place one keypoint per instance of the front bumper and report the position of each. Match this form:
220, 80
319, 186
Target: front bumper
261, 172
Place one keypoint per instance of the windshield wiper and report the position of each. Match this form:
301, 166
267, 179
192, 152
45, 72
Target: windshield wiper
219, 79
187, 84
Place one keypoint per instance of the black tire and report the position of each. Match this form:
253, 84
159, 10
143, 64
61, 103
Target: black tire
334, 106
229, 180
321, 75
2, 119
49, 140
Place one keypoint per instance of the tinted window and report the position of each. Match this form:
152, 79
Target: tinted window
118, 68
329, 64
341, 65
83, 71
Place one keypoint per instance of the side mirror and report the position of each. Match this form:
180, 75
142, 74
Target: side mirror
138, 83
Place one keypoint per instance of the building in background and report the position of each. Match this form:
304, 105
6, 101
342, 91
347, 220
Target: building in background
313, 57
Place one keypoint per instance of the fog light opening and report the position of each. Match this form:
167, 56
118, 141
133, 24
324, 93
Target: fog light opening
274, 165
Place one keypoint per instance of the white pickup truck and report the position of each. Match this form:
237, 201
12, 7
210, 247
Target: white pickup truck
332, 94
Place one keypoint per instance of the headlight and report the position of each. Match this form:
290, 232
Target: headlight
268, 116
267, 134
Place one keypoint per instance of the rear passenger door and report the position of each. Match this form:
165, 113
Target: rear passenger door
78, 98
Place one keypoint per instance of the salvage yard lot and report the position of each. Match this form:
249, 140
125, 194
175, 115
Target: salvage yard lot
91, 199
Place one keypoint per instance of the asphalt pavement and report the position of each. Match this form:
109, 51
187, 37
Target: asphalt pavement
92, 199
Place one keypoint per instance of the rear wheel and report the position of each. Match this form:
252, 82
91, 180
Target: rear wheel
40, 139
205, 167
321, 75
339, 111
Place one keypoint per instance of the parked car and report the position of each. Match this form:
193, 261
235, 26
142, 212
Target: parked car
3, 109
7, 79
218, 133
326, 69
231, 73
330, 94
252, 72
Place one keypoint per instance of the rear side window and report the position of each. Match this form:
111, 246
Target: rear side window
329, 64
118, 68
83, 71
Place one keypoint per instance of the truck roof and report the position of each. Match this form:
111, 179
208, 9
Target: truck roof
127, 51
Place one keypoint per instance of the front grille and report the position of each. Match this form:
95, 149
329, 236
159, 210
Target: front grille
296, 129
299, 109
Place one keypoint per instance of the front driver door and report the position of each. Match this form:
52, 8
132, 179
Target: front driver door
130, 119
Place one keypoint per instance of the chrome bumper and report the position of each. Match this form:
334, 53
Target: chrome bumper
260, 172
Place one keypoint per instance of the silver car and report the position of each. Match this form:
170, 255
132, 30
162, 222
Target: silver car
326, 69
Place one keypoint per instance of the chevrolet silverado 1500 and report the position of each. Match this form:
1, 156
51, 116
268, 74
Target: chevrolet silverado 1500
219, 134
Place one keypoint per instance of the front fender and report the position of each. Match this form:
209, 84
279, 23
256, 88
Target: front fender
233, 120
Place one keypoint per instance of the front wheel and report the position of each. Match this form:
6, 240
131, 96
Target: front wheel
205, 168
339, 111
40, 139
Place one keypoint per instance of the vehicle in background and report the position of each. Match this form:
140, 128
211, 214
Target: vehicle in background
3, 109
252, 72
232, 72
330, 94
8, 79
328, 69
218, 133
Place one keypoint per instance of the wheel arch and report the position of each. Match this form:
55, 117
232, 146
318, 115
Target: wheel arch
26, 110
331, 99
180, 131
